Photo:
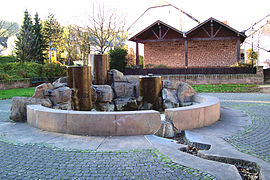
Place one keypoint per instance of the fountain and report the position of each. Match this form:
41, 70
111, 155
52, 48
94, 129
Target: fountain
147, 95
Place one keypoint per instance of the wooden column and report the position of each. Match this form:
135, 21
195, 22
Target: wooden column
238, 48
137, 54
101, 63
186, 54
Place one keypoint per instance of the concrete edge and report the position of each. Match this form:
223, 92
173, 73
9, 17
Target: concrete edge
171, 149
94, 123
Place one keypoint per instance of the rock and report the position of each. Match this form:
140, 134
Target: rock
61, 80
169, 98
58, 85
126, 104
40, 90
104, 93
167, 84
185, 93
134, 79
117, 76
65, 106
18, 107
124, 89
166, 129
146, 106
60, 95
94, 95
105, 107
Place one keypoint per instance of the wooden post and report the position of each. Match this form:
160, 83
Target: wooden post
238, 49
137, 54
186, 54
79, 79
101, 68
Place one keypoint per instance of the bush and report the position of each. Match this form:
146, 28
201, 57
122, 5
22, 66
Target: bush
18, 70
7, 59
118, 59
160, 66
53, 70
153, 66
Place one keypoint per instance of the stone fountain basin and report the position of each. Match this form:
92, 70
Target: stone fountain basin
125, 122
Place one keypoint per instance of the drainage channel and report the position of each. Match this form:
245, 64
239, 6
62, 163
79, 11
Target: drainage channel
247, 169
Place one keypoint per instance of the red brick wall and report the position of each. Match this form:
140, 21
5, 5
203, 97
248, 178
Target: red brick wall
222, 53
11, 84
200, 53
171, 54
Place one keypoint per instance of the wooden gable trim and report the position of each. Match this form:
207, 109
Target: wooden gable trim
213, 34
159, 35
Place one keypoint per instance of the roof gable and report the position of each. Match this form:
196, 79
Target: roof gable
158, 31
213, 28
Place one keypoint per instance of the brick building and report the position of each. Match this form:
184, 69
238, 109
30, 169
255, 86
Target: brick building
209, 44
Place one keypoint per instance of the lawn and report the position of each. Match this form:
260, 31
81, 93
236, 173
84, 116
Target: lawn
9, 93
226, 88
219, 88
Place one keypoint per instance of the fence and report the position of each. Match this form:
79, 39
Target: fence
167, 71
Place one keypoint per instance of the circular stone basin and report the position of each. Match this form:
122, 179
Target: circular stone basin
123, 123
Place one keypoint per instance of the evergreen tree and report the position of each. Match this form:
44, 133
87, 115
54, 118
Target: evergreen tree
39, 41
25, 40
53, 33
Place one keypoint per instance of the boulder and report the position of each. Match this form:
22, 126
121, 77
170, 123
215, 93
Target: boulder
61, 80
125, 104
40, 90
167, 84
58, 85
18, 107
117, 76
185, 93
166, 130
109, 107
94, 95
124, 89
169, 97
134, 79
60, 95
65, 106
104, 93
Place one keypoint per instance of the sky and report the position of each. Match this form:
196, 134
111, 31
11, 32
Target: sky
239, 14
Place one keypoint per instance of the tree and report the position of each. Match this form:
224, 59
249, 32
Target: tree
118, 59
70, 44
252, 55
105, 29
39, 41
7, 29
53, 33
25, 40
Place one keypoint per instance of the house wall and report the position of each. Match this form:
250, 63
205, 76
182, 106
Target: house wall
170, 54
215, 53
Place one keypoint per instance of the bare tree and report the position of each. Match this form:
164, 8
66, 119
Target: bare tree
7, 29
106, 29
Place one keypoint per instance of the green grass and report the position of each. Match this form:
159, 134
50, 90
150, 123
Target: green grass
9, 93
7, 59
226, 88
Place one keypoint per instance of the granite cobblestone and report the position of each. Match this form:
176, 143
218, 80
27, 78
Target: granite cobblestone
255, 139
38, 161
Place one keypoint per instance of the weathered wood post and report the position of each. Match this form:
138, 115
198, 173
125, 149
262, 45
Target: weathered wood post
79, 79
150, 89
101, 68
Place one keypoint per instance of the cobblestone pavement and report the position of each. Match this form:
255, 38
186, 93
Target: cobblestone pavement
255, 140
38, 161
